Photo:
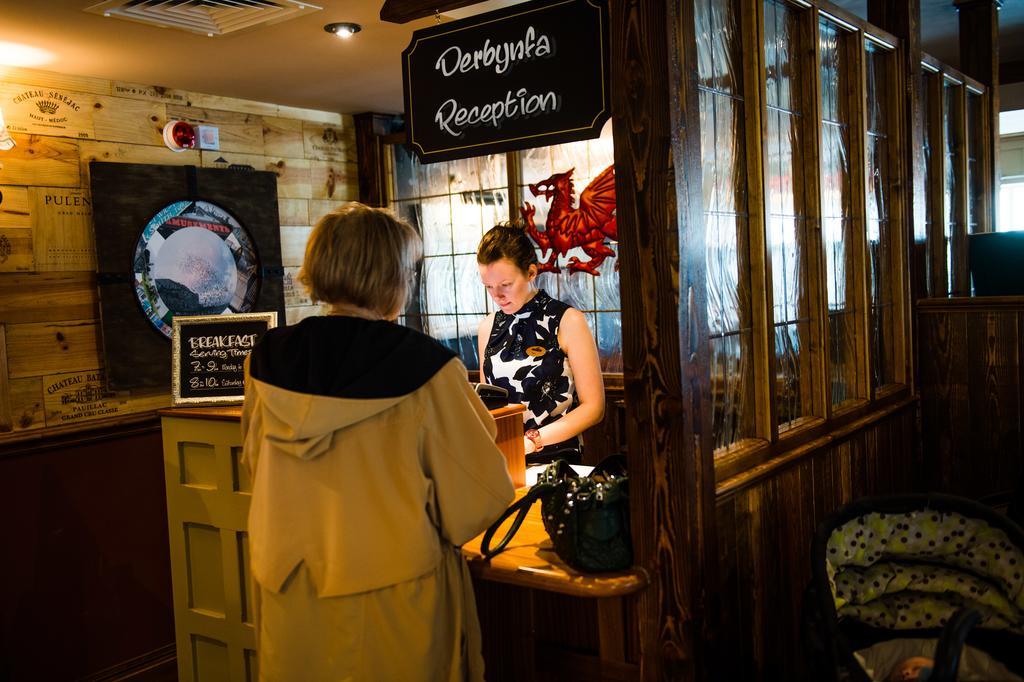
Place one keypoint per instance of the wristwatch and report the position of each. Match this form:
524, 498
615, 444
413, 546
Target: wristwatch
534, 435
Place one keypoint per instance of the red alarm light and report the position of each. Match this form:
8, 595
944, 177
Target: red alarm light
179, 136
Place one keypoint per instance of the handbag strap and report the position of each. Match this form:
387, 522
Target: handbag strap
520, 508
611, 467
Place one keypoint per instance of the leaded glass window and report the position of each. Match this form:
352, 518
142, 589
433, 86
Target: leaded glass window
719, 68
785, 219
975, 187
882, 247
837, 228
952, 142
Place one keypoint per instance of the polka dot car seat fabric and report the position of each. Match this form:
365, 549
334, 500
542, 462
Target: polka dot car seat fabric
904, 567
916, 569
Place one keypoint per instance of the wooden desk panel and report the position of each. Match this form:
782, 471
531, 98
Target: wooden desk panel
510, 441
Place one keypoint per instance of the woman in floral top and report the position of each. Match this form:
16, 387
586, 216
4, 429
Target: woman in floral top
538, 348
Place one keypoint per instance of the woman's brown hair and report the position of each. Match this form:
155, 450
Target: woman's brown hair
362, 256
507, 240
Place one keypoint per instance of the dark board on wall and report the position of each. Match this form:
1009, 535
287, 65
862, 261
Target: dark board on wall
128, 197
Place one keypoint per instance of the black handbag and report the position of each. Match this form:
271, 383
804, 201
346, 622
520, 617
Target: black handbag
586, 517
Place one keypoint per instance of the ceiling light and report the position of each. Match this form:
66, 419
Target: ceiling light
343, 29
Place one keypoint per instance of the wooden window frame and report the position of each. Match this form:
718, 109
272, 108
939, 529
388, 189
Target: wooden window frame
938, 74
773, 444
899, 233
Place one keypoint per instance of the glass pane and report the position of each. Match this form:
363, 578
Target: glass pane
974, 155
468, 325
437, 285
881, 264
609, 341
792, 394
785, 219
923, 228
836, 219
725, 218
444, 328
953, 148
406, 181
467, 221
469, 293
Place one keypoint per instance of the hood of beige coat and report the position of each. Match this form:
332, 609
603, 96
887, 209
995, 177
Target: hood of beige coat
303, 425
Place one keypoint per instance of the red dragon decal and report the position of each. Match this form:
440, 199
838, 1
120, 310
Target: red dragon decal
566, 227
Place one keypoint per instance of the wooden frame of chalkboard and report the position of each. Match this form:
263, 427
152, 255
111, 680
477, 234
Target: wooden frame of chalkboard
208, 355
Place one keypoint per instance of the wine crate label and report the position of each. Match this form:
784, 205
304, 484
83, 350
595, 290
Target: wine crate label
63, 237
329, 143
16, 249
79, 396
47, 111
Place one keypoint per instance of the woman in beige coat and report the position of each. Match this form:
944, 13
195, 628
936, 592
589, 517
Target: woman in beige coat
372, 460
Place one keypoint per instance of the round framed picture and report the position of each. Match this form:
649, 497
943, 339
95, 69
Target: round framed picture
194, 258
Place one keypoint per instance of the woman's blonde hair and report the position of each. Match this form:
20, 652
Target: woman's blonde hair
361, 256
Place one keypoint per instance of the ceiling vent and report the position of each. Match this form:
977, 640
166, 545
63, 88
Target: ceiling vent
208, 17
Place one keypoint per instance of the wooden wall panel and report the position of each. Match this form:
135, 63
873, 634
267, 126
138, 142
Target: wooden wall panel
224, 159
39, 349
38, 160
47, 254
292, 212
293, 243
132, 121
6, 412
282, 137
85, 581
318, 208
48, 297
239, 132
26, 404
766, 523
334, 180
292, 178
971, 394
15, 208
132, 153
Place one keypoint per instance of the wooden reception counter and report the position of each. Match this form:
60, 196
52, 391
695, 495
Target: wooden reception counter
208, 495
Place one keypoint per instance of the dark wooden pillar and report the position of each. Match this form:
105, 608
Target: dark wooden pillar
661, 255
902, 18
370, 150
979, 59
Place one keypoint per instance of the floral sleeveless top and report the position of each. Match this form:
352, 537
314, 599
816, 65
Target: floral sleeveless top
523, 356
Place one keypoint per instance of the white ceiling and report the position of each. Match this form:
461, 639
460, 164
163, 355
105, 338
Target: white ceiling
295, 62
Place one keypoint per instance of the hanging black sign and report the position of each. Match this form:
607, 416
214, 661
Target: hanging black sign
526, 76
208, 356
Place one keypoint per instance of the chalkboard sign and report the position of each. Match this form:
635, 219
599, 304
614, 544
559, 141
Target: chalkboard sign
208, 355
525, 76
